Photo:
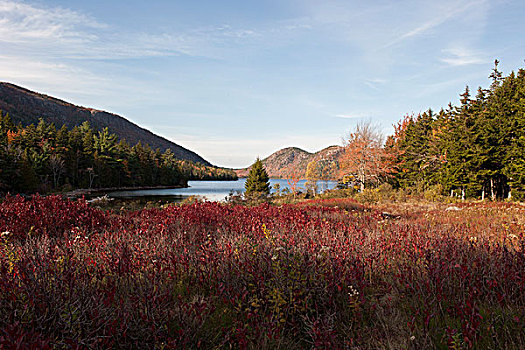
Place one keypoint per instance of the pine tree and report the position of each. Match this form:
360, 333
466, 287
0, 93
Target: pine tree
476, 149
418, 156
514, 157
257, 183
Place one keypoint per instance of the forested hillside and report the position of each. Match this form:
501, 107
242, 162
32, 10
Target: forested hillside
27, 107
476, 149
42, 158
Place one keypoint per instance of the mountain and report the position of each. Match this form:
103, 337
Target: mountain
294, 161
27, 107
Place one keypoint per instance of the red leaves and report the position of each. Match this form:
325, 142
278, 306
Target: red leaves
188, 276
51, 215
15, 337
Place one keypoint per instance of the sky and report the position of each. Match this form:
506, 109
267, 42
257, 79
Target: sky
236, 79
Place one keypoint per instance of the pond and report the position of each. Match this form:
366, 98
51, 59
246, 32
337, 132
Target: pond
210, 190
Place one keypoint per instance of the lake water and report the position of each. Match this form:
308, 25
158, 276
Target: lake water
211, 190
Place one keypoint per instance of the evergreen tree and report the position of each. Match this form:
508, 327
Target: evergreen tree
258, 183
474, 150
41, 158
458, 143
418, 156
514, 161
107, 162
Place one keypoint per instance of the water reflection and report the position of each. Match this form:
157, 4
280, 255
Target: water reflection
211, 190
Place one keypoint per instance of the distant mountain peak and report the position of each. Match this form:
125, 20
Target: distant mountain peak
290, 161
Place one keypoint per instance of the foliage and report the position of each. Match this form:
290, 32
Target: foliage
199, 171
476, 149
365, 158
43, 158
210, 275
313, 173
257, 183
433, 193
292, 184
49, 216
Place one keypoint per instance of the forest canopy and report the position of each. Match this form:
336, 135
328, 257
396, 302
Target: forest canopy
42, 158
476, 149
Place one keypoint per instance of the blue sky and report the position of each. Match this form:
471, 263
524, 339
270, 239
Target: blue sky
233, 80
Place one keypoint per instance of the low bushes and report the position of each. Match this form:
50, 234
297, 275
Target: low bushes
323, 274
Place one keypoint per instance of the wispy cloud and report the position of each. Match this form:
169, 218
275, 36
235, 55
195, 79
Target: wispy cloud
460, 56
49, 32
351, 116
68, 53
64, 33
21, 22
452, 10
375, 83
36, 73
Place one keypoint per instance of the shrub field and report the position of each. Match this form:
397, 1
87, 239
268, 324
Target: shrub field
325, 274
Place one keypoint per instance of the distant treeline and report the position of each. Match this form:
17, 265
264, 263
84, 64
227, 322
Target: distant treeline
476, 149
42, 158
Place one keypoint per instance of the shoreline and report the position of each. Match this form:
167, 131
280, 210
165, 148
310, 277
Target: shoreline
96, 191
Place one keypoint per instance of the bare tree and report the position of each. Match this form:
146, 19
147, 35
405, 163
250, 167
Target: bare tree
92, 175
58, 167
292, 182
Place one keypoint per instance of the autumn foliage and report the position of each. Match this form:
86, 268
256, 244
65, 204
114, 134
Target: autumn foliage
365, 158
211, 275
473, 150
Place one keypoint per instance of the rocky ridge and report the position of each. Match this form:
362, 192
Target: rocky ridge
293, 161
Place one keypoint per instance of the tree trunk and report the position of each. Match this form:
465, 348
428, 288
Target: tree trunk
362, 180
462, 193
483, 194
492, 194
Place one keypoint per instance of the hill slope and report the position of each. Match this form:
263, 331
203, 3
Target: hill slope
26, 107
292, 160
